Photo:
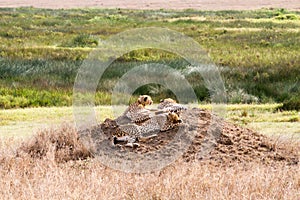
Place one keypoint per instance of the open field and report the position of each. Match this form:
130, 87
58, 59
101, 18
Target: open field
262, 118
257, 54
41, 51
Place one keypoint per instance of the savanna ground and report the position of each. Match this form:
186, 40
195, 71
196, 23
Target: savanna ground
54, 165
155, 4
41, 50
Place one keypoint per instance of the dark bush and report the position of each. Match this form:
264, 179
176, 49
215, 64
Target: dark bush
291, 104
84, 40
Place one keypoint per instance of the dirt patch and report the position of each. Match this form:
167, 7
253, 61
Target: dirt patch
156, 4
215, 141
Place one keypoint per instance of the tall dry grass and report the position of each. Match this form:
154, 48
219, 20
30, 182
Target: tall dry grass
24, 175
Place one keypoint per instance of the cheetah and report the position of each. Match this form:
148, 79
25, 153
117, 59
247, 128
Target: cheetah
170, 105
136, 112
133, 133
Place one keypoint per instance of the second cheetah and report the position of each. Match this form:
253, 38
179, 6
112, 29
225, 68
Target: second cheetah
170, 105
136, 111
133, 133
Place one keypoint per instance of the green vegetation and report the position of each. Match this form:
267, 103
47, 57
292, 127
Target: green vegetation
83, 40
291, 104
41, 51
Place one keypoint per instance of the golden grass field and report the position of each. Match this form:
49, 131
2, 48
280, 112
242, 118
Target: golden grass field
24, 177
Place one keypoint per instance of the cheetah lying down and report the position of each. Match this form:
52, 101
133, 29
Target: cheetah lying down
145, 124
133, 133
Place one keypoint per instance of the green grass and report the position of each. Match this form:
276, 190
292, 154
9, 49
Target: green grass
41, 51
263, 118
50, 83
266, 119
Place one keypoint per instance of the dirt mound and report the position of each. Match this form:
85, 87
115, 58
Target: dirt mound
214, 141
236, 144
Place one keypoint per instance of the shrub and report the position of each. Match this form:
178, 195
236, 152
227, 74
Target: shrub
84, 40
287, 17
291, 104
240, 96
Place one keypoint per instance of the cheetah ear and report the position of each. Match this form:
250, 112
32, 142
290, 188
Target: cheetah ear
139, 100
145, 99
161, 100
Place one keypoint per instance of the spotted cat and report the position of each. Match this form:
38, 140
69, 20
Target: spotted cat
133, 133
170, 105
136, 111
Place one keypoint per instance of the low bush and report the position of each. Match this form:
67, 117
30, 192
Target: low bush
291, 104
83, 40
287, 17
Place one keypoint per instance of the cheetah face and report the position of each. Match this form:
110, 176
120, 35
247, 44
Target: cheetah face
168, 100
174, 118
145, 100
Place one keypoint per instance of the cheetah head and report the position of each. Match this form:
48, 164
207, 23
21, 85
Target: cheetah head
168, 100
145, 100
174, 118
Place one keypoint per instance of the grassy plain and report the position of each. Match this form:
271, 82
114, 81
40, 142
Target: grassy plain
264, 118
42, 49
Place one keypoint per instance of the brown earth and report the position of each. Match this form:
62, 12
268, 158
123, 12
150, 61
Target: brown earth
211, 139
157, 4
196, 139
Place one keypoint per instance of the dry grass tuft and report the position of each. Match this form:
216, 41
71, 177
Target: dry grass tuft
60, 144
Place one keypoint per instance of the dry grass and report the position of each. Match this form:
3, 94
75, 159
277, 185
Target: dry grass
61, 169
60, 144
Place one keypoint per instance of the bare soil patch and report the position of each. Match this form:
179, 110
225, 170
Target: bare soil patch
225, 143
156, 4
